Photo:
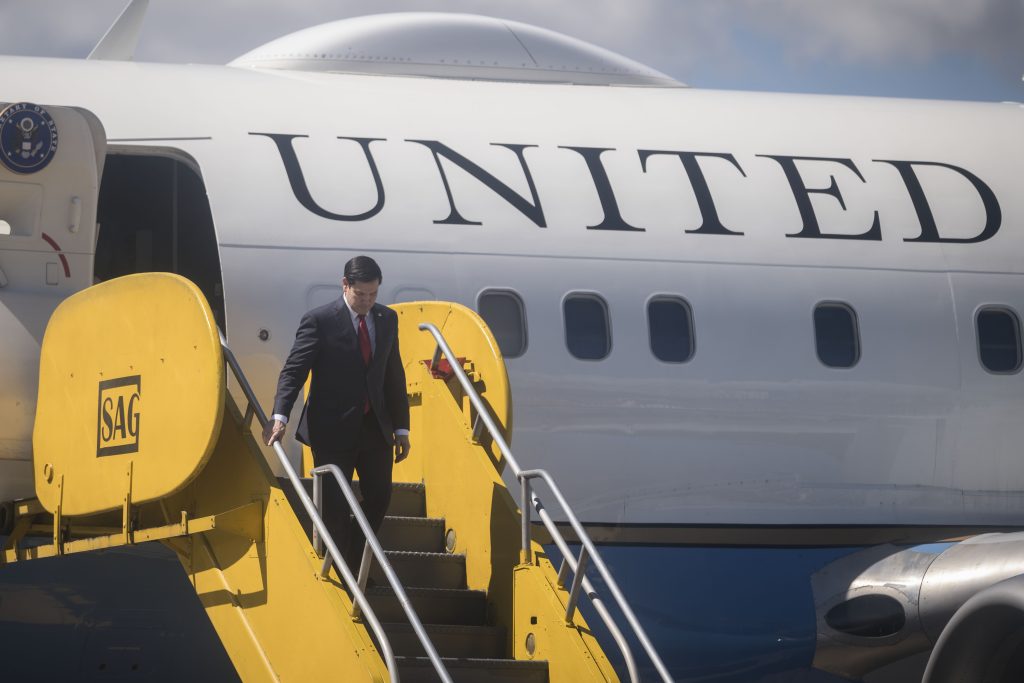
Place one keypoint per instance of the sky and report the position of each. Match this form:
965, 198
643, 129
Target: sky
947, 49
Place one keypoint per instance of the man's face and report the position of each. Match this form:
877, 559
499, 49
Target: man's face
360, 296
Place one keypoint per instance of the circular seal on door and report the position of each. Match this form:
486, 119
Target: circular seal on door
28, 137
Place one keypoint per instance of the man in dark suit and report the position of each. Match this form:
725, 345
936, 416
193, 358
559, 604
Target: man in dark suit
357, 409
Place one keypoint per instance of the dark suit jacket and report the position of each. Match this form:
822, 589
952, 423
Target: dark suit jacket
327, 345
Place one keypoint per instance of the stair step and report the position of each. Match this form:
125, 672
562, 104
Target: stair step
450, 640
407, 500
423, 534
424, 570
474, 670
433, 605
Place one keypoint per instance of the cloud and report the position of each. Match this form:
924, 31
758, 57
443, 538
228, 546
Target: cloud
690, 40
884, 31
54, 29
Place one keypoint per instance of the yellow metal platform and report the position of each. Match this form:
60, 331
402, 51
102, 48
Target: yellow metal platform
137, 439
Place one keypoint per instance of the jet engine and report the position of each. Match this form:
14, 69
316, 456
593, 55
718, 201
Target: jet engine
965, 601
984, 641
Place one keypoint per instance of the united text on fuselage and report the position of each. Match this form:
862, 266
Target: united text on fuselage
843, 170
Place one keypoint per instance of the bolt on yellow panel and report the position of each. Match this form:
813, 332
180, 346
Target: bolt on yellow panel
131, 378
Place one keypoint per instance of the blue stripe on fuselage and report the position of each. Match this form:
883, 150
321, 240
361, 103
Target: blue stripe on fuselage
728, 615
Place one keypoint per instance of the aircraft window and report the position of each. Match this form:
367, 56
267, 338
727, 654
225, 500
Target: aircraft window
586, 326
504, 313
671, 327
836, 335
999, 340
5, 228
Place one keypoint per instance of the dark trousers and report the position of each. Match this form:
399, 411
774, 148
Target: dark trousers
372, 459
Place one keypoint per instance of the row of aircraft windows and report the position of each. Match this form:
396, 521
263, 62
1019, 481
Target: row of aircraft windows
670, 330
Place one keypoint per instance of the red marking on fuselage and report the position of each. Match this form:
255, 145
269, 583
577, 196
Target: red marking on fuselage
56, 248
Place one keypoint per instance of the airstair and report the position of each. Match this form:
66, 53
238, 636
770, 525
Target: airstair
139, 438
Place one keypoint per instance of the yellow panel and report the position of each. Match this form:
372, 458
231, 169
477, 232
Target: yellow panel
471, 339
277, 619
131, 379
571, 650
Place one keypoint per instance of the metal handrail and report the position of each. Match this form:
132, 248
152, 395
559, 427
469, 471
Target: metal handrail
254, 408
588, 550
570, 563
378, 552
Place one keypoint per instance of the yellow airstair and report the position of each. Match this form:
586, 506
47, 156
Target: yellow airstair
138, 439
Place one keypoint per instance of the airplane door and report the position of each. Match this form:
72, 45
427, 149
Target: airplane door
51, 162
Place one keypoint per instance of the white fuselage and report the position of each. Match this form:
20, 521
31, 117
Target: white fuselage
753, 429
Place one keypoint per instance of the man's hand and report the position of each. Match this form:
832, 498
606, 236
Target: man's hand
273, 431
402, 447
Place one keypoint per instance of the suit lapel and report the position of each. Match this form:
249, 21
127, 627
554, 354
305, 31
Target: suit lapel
382, 330
344, 319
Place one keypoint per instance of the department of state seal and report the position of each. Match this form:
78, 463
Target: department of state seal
28, 137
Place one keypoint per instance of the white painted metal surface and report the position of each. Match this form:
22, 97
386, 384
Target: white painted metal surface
121, 39
444, 45
752, 430
44, 258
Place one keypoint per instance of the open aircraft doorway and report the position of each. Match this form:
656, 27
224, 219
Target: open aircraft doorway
154, 216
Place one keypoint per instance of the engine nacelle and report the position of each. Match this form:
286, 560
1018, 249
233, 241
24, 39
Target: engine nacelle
984, 641
888, 602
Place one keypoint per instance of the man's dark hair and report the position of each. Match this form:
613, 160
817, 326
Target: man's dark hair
362, 269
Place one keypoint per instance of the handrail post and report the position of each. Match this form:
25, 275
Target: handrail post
526, 552
325, 568
364, 574
318, 503
563, 571
577, 581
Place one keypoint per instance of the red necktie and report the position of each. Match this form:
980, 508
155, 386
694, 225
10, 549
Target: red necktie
367, 352
364, 340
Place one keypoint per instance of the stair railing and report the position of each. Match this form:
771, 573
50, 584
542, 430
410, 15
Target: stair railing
529, 498
372, 548
253, 408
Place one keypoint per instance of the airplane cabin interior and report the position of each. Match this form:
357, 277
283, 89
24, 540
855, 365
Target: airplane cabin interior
154, 216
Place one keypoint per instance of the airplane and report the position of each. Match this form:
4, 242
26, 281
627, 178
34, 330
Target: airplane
769, 343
